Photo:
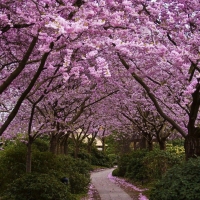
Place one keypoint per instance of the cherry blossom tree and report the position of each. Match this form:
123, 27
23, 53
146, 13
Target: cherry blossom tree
154, 44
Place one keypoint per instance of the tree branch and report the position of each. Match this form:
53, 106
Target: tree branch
153, 98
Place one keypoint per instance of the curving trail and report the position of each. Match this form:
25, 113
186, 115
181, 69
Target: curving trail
106, 189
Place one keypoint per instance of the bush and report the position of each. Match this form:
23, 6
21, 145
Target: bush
78, 173
115, 172
157, 162
12, 165
100, 158
136, 170
76, 170
42, 162
36, 186
143, 165
113, 159
70, 165
180, 183
41, 144
130, 165
79, 183
85, 156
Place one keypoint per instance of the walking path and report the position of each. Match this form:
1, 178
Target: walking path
106, 189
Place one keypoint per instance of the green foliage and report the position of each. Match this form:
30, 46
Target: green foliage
100, 158
41, 144
37, 186
85, 156
177, 142
118, 143
180, 183
157, 162
70, 165
78, 173
136, 170
115, 172
79, 183
42, 162
143, 165
131, 166
12, 168
112, 147
113, 159
123, 163
12, 164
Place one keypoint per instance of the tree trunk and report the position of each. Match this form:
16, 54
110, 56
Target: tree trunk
53, 144
61, 147
76, 151
135, 145
192, 140
150, 142
89, 147
90, 143
150, 145
143, 142
28, 157
192, 145
66, 145
162, 144
103, 144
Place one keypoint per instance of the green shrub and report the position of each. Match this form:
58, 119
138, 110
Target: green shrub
131, 165
115, 172
79, 183
70, 165
12, 164
113, 159
177, 142
157, 162
78, 173
84, 156
136, 170
180, 183
36, 186
143, 165
76, 170
42, 162
123, 163
41, 144
100, 158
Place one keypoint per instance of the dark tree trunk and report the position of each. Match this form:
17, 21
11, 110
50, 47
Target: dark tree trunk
76, 151
66, 145
28, 158
150, 141
29, 155
61, 147
91, 141
103, 144
150, 145
135, 145
143, 142
53, 144
162, 144
192, 145
89, 147
192, 140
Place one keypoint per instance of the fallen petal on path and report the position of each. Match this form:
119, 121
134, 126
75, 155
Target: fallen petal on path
122, 182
